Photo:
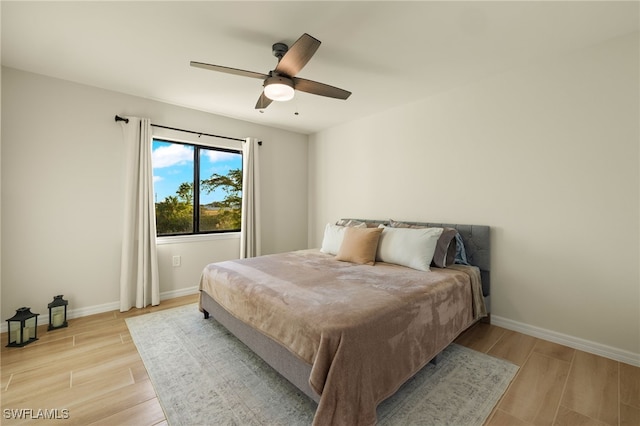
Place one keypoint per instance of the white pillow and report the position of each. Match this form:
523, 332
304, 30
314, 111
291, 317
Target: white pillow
332, 240
333, 236
409, 247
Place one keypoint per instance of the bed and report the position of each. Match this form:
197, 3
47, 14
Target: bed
346, 333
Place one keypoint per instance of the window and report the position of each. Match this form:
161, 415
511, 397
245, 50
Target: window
187, 175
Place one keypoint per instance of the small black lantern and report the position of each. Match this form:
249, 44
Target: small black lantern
22, 328
58, 313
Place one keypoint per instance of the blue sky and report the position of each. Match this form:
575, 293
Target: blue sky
173, 165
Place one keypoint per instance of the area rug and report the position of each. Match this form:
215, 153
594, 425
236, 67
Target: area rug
203, 375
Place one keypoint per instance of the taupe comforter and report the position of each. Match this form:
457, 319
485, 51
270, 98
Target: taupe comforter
364, 329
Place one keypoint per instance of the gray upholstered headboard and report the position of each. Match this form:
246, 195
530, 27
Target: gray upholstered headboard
476, 243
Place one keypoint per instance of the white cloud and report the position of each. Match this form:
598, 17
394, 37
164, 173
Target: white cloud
219, 155
157, 178
171, 155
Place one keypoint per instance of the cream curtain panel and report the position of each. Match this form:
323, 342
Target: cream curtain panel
250, 235
139, 283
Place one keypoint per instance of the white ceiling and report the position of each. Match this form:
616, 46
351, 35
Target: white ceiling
386, 53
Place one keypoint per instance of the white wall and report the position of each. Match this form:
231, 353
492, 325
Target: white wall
62, 160
546, 155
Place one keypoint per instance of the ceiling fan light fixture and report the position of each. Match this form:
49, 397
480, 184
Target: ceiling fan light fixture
278, 88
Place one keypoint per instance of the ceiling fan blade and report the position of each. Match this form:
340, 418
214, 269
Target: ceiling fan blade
298, 55
228, 70
263, 102
319, 88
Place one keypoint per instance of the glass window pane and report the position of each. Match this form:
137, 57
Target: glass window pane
173, 187
220, 190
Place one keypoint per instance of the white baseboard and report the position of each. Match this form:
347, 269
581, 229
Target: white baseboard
179, 293
616, 354
106, 307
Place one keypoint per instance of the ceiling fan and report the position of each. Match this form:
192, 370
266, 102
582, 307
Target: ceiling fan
281, 83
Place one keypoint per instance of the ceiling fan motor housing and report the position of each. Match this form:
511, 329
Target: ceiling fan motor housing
279, 49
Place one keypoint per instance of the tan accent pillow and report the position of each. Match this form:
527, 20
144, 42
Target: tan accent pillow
333, 235
359, 245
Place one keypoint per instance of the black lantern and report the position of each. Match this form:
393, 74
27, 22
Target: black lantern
22, 327
57, 313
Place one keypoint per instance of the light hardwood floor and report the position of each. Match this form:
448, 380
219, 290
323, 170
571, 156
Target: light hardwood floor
93, 370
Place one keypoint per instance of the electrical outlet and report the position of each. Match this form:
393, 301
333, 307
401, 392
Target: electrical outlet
176, 260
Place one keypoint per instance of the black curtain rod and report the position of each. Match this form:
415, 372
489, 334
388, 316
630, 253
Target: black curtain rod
126, 120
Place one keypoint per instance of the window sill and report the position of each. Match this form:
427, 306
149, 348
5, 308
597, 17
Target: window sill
181, 239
